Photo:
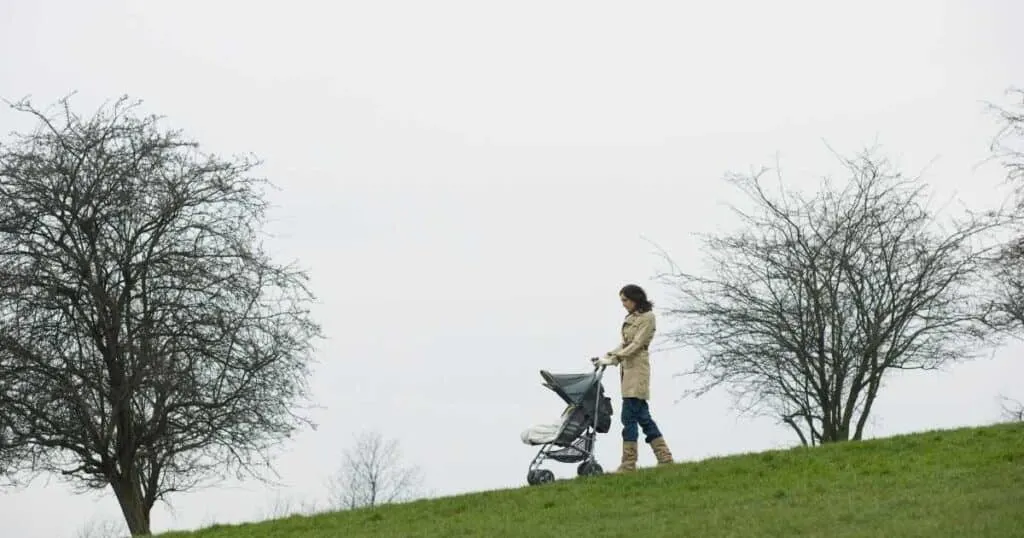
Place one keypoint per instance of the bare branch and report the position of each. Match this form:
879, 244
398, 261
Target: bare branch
102, 528
1012, 410
1008, 144
283, 507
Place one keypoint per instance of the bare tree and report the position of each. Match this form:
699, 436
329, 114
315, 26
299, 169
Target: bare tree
816, 299
147, 341
372, 473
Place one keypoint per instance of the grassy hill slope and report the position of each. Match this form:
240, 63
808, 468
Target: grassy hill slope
967, 482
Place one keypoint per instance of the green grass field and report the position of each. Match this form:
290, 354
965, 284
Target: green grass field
961, 483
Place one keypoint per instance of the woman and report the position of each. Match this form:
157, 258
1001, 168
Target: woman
633, 359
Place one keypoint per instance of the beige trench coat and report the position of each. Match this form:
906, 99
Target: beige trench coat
633, 357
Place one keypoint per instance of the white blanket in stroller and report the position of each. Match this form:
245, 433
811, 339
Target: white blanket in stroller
541, 434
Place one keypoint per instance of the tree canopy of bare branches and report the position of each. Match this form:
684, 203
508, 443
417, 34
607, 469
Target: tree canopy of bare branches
372, 473
147, 340
816, 298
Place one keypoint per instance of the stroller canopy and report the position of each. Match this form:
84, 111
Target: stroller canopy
573, 388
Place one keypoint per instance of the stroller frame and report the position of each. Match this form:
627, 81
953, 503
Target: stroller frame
576, 437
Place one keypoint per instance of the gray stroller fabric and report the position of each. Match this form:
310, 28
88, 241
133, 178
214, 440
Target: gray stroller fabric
573, 388
583, 391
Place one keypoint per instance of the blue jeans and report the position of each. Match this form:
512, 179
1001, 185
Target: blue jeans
635, 413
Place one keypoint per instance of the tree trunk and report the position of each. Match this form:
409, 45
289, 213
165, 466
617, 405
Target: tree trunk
133, 506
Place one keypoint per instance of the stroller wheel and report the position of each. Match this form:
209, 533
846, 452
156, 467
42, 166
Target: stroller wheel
589, 468
540, 476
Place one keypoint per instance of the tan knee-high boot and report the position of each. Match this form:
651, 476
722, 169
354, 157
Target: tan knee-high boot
661, 451
628, 457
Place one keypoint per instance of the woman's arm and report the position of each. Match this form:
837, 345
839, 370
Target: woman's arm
641, 339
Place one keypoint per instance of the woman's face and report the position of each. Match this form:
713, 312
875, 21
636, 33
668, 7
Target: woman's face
629, 305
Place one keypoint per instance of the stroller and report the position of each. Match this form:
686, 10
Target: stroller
572, 440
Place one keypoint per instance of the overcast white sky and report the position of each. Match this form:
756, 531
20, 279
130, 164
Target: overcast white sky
470, 182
